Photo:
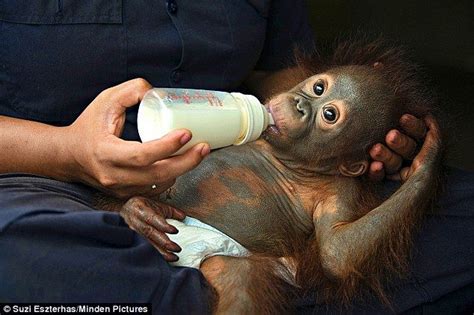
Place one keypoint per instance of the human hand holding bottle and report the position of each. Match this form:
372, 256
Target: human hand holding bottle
97, 156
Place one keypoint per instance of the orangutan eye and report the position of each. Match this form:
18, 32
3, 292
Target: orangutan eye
330, 114
318, 88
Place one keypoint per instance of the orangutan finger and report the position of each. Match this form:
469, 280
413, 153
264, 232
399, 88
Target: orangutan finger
156, 220
391, 161
431, 146
376, 171
162, 240
162, 244
412, 126
433, 136
401, 144
162, 225
169, 257
178, 214
405, 173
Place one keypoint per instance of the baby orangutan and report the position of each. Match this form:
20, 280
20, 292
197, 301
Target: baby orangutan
301, 193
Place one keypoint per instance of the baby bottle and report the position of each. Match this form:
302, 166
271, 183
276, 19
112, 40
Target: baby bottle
218, 118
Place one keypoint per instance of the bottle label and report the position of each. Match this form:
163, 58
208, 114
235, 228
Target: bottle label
194, 97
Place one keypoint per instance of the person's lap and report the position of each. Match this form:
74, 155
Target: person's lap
53, 248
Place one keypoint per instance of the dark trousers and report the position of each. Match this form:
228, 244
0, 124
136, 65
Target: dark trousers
55, 248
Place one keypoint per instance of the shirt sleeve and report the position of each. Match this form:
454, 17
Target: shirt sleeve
288, 28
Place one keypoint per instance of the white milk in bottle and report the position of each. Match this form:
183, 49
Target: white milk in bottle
218, 118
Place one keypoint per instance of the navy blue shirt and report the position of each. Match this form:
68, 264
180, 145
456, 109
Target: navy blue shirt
56, 56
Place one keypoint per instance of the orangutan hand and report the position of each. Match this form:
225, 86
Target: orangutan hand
387, 159
148, 218
429, 154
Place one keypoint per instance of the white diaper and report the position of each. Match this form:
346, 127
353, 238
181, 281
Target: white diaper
199, 241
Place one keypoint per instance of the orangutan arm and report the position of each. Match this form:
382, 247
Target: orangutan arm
377, 244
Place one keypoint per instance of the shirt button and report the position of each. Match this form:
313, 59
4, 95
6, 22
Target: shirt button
172, 6
176, 76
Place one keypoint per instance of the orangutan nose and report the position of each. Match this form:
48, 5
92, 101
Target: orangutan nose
302, 106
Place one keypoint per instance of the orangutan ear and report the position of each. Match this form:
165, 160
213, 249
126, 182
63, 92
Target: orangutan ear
354, 169
377, 65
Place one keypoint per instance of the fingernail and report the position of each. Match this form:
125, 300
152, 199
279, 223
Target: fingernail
173, 230
379, 149
173, 247
376, 150
407, 119
205, 150
395, 137
377, 167
185, 138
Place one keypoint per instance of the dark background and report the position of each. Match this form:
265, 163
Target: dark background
439, 34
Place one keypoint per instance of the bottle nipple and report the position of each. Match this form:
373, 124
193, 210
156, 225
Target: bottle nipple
271, 121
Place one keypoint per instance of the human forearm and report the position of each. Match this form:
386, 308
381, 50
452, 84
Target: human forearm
32, 147
90, 149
